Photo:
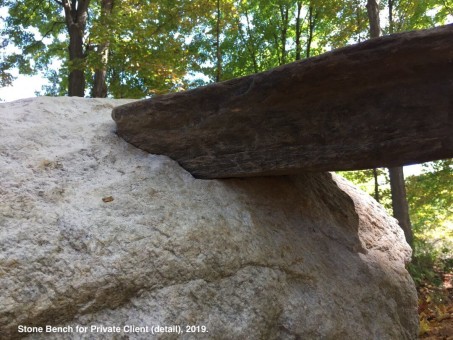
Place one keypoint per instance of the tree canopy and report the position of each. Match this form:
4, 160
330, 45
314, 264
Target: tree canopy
139, 48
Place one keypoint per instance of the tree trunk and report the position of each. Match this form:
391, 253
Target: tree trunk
375, 31
250, 42
376, 185
391, 28
76, 13
358, 17
99, 89
76, 85
298, 30
397, 185
283, 32
399, 201
398, 190
311, 28
372, 7
217, 44
100, 84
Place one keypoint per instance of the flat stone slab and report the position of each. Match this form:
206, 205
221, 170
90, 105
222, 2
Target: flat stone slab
381, 103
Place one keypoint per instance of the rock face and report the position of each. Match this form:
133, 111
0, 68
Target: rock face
382, 103
95, 232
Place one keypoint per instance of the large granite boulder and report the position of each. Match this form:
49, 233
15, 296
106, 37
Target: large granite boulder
96, 233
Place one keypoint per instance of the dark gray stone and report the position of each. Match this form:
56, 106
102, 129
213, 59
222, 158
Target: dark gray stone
385, 102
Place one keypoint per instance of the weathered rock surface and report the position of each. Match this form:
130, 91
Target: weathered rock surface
303, 257
382, 103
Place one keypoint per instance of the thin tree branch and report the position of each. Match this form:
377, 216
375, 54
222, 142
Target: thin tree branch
67, 13
55, 23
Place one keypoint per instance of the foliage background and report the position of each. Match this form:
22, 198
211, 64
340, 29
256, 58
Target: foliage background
172, 45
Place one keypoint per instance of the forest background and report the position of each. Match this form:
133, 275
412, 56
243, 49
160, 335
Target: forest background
138, 49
